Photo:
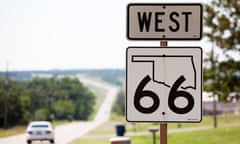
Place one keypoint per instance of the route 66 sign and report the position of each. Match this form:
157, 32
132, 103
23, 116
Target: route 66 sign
164, 84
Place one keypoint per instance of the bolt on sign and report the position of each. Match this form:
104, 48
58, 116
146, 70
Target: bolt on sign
151, 21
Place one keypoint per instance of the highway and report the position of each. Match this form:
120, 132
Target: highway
68, 132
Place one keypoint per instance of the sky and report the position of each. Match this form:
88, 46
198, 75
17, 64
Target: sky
67, 34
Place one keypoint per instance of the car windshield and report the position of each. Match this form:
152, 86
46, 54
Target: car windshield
39, 126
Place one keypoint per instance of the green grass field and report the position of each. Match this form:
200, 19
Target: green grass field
229, 135
213, 136
12, 131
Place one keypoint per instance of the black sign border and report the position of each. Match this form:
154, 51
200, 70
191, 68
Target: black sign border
165, 4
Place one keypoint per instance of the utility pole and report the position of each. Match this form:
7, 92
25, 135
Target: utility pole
6, 86
213, 63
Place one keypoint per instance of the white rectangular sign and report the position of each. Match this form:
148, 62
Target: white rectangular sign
161, 21
164, 84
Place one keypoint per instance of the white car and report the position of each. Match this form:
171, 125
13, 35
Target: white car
40, 130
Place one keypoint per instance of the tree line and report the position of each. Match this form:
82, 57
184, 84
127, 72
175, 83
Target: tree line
44, 99
110, 75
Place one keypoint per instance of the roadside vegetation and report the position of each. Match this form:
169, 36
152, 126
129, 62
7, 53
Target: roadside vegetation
103, 133
99, 94
213, 136
45, 99
12, 131
57, 96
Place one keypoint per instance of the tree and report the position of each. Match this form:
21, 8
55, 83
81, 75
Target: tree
44, 99
18, 103
82, 97
223, 30
223, 25
229, 73
63, 109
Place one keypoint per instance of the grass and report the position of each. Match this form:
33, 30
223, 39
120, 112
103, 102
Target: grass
213, 136
12, 131
103, 133
91, 141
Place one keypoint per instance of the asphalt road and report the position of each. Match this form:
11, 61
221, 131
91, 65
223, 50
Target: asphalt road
73, 130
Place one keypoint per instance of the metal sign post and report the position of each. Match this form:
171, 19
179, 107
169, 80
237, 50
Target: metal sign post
163, 133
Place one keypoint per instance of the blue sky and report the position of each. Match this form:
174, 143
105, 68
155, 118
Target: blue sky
67, 34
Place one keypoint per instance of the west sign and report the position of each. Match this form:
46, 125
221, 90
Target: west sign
161, 21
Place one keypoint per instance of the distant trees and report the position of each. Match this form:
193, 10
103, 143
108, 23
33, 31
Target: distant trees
45, 99
222, 28
223, 25
113, 76
225, 81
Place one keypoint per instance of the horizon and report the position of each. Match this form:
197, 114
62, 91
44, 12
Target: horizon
50, 70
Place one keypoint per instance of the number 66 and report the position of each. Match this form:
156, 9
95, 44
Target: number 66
173, 94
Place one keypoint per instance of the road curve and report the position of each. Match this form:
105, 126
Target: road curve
66, 133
